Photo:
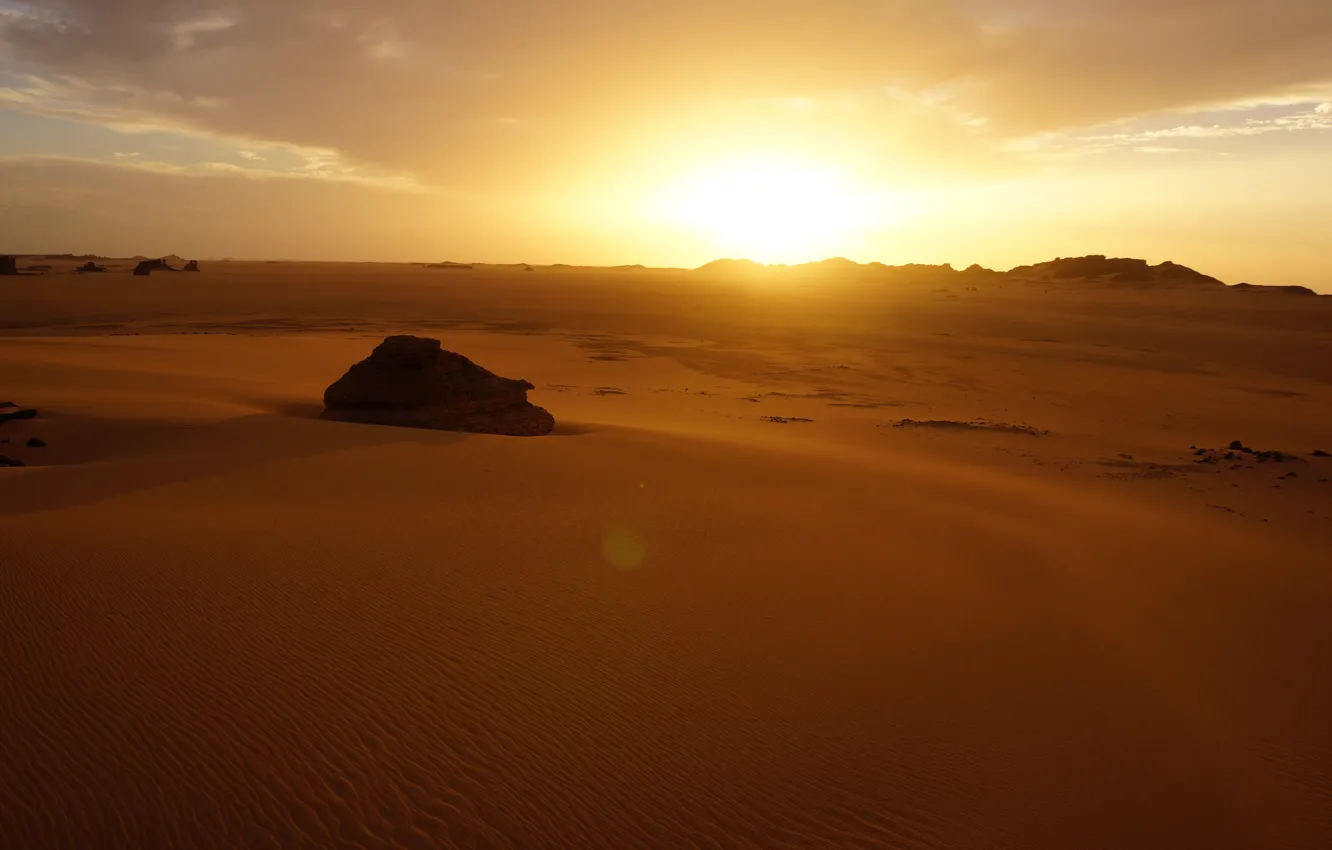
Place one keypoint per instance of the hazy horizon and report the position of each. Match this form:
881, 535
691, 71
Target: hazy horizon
996, 132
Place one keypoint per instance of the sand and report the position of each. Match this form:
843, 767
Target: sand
226, 623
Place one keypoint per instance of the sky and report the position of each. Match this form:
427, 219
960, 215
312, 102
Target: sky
672, 132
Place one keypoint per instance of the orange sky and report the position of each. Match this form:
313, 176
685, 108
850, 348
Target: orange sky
669, 133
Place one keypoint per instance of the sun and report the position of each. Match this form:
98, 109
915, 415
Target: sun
772, 209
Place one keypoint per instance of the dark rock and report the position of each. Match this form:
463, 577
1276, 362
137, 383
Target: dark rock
192, 266
18, 414
412, 382
90, 268
1321, 453
1236, 446
8, 265
36, 443
9, 461
147, 267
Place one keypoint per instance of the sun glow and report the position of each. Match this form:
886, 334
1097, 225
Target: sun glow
776, 210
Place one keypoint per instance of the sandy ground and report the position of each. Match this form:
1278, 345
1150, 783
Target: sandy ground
226, 623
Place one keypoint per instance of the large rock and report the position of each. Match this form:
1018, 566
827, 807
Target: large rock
8, 265
412, 382
147, 267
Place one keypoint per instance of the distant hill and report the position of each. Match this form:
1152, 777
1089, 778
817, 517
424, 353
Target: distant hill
1096, 269
731, 266
1275, 290
1115, 270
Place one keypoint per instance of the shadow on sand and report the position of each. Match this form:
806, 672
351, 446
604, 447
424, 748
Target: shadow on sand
110, 457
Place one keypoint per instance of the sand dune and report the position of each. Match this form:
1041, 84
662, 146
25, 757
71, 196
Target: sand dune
672, 623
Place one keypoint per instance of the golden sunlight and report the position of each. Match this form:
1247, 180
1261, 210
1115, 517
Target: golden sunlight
776, 210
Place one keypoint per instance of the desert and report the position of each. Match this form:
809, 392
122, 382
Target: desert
894, 558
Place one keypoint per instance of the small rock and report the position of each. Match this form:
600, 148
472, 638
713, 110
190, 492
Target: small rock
36, 443
9, 461
1237, 445
1321, 453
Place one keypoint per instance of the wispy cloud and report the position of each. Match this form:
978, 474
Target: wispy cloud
1310, 117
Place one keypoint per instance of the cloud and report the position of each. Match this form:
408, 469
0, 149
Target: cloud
250, 155
405, 86
126, 154
1314, 118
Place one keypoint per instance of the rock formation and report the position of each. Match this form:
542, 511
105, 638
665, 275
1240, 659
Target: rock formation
1273, 289
147, 267
1115, 270
90, 268
8, 265
192, 266
412, 382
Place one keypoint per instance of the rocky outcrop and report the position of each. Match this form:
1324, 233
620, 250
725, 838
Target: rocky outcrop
1116, 270
90, 268
147, 267
17, 414
412, 382
8, 265
192, 266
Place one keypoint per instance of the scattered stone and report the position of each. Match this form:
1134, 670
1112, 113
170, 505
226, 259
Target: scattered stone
976, 425
412, 382
9, 461
36, 443
27, 413
784, 420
